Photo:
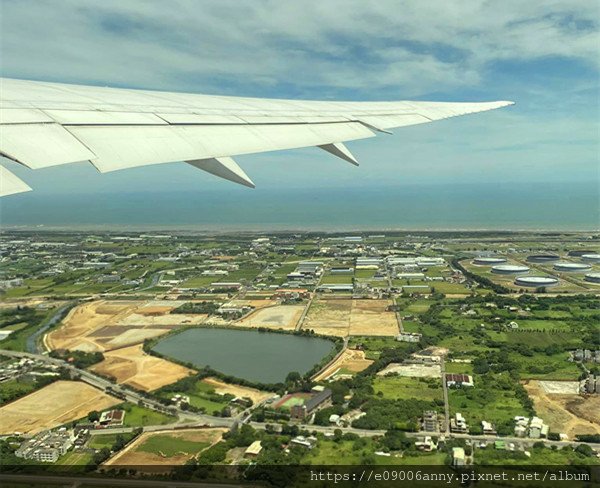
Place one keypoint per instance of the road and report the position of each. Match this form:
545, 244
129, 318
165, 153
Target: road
445, 390
110, 482
128, 394
192, 419
32, 343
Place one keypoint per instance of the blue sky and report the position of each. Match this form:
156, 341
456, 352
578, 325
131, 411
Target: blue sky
544, 55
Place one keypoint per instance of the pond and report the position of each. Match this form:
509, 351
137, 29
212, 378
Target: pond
264, 357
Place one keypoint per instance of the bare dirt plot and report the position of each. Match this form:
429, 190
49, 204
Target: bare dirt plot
221, 388
329, 317
340, 317
370, 317
146, 450
84, 320
276, 317
134, 336
560, 387
106, 325
141, 319
53, 405
568, 414
413, 370
257, 304
132, 366
350, 361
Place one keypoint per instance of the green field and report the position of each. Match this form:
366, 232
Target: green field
401, 387
202, 396
492, 398
74, 458
136, 416
167, 445
362, 452
102, 440
13, 389
539, 456
337, 280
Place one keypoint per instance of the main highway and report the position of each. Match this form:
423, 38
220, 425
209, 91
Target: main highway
187, 419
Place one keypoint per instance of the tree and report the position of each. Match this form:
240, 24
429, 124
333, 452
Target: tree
93, 416
293, 377
584, 450
395, 440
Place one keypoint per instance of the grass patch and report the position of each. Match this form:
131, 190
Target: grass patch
136, 416
169, 446
401, 387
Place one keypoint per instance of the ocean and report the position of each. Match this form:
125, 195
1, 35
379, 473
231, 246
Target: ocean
488, 206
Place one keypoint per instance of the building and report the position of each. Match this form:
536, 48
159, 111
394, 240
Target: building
306, 442
426, 444
226, 284
409, 337
112, 418
521, 424
458, 424
458, 380
336, 287
253, 450
488, 428
458, 456
341, 271
430, 421
537, 428
319, 399
586, 356
47, 447
368, 263
309, 267
592, 385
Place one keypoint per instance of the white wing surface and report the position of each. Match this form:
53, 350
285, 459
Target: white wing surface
47, 124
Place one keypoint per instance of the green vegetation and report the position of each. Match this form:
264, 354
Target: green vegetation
168, 445
136, 416
394, 387
79, 359
29, 321
497, 398
203, 397
201, 308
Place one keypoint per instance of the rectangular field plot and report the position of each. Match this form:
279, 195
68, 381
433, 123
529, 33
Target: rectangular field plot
132, 366
53, 405
159, 451
277, 317
352, 317
401, 387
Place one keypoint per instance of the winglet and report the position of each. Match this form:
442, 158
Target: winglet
225, 168
341, 151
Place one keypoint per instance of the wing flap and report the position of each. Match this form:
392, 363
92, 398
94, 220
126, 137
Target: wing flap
127, 147
41, 145
98, 117
11, 183
23, 116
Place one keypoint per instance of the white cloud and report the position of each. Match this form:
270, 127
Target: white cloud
349, 44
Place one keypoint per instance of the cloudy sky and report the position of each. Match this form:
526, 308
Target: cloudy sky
544, 55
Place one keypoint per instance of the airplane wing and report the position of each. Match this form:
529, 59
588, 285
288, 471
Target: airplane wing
47, 124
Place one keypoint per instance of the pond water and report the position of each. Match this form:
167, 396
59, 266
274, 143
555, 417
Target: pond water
264, 357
